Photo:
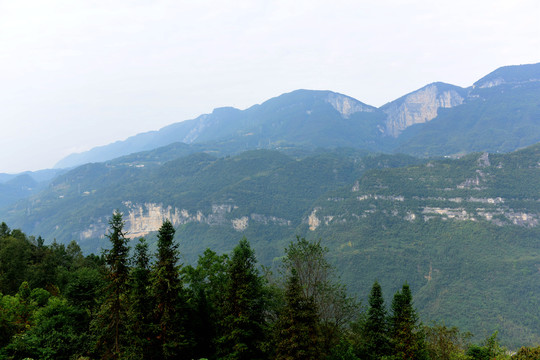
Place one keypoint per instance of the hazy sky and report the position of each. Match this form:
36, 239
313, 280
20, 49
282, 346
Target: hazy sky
76, 74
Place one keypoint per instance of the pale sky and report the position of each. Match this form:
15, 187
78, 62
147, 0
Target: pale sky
77, 74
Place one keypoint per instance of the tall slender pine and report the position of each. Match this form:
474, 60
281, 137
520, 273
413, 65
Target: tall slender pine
171, 310
243, 307
408, 339
112, 315
375, 332
298, 335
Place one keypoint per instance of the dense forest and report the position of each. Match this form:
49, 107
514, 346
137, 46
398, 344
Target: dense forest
126, 303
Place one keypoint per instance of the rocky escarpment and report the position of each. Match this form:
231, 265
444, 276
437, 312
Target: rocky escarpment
472, 189
420, 106
143, 219
347, 106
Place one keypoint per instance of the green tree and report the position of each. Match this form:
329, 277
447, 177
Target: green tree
243, 307
15, 256
298, 335
59, 333
445, 343
317, 280
111, 320
171, 308
406, 332
207, 290
375, 331
141, 305
527, 353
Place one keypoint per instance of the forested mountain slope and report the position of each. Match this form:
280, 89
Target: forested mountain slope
463, 232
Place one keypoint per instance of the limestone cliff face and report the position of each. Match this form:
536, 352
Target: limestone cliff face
347, 106
419, 107
142, 219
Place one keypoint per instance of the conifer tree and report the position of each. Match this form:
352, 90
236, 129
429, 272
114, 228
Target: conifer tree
243, 307
112, 317
140, 304
170, 310
408, 340
375, 332
298, 335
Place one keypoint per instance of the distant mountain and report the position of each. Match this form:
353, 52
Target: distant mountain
498, 118
14, 187
513, 74
421, 106
301, 118
500, 112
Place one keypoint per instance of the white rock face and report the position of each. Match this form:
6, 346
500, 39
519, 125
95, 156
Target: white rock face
347, 106
313, 220
142, 219
240, 224
419, 107
492, 83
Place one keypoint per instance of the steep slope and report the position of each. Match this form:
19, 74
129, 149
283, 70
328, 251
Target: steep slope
513, 74
300, 118
464, 233
420, 106
498, 118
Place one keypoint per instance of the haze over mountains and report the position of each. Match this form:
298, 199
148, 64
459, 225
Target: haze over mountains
495, 114
463, 231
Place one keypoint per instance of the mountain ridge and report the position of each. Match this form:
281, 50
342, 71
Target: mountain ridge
300, 118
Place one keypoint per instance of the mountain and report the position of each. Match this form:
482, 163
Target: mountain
301, 118
462, 228
420, 106
267, 187
513, 74
499, 118
462, 232
14, 187
499, 113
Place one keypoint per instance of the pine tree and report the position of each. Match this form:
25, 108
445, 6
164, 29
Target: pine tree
298, 336
375, 332
112, 315
408, 340
243, 307
171, 310
140, 304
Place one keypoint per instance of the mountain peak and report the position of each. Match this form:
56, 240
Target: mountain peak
420, 106
510, 75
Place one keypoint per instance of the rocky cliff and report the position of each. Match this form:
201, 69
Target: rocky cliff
420, 106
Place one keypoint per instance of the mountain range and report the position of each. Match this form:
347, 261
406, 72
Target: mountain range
498, 114
439, 188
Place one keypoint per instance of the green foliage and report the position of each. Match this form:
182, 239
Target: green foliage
445, 343
407, 336
317, 281
141, 306
375, 331
489, 351
170, 309
297, 331
110, 325
527, 353
242, 324
207, 283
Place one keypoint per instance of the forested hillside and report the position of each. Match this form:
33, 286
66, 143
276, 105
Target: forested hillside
58, 304
462, 232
